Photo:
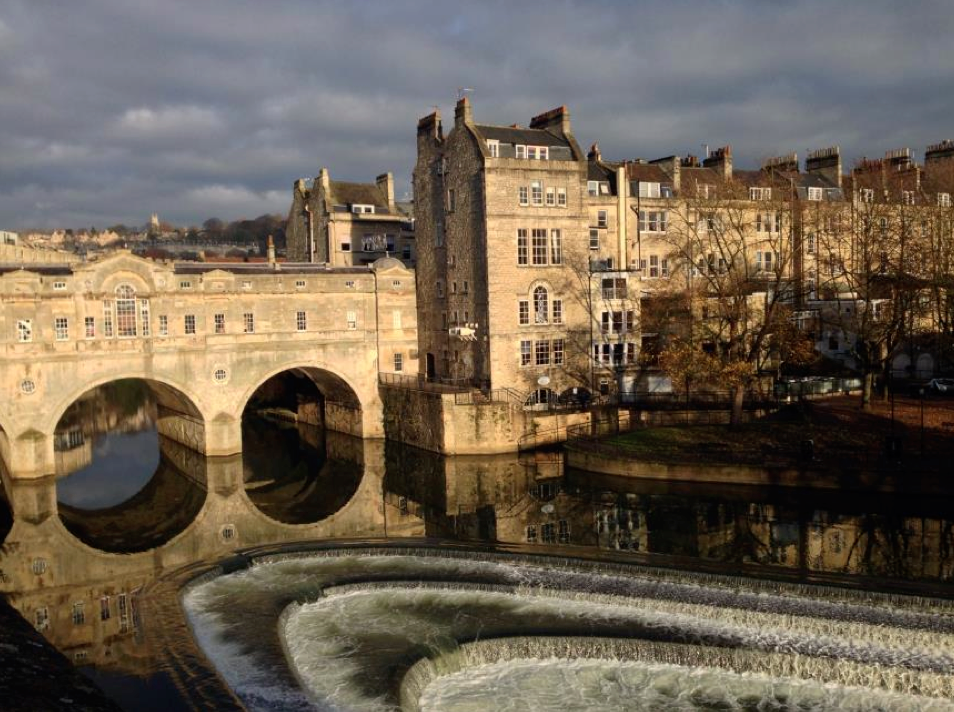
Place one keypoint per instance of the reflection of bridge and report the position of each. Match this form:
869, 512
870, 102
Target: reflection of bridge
203, 336
55, 580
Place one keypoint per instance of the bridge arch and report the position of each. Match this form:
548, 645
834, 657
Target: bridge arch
181, 417
343, 405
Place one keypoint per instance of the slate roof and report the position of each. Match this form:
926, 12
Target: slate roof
708, 176
599, 171
47, 269
343, 193
521, 136
647, 173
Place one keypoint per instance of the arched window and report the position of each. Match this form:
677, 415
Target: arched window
541, 305
125, 311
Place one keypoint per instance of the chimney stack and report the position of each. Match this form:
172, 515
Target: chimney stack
430, 126
385, 183
555, 120
825, 162
463, 114
594, 154
939, 151
271, 251
720, 160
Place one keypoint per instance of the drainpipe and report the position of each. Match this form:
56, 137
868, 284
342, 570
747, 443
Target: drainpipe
622, 191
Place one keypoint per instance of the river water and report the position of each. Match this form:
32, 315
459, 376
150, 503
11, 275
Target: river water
373, 575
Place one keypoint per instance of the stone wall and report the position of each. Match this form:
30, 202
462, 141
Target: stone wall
23, 254
414, 417
436, 422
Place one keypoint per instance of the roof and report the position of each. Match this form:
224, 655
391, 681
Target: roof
647, 173
756, 178
703, 176
343, 193
264, 268
520, 136
36, 268
597, 170
814, 180
406, 207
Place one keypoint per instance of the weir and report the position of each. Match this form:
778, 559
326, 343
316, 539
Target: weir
427, 673
473, 609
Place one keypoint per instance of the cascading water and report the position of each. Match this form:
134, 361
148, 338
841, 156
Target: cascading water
352, 630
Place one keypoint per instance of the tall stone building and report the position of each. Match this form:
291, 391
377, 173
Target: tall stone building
504, 278
345, 224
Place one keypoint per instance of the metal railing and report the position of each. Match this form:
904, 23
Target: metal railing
700, 400
497, 395
420, 382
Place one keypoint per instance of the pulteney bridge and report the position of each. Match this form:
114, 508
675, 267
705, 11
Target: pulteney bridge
204, 337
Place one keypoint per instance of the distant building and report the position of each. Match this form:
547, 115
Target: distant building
347, 224
9, 238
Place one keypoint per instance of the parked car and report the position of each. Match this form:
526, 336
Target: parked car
941, 386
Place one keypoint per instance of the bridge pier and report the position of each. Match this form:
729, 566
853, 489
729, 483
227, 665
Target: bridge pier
29, 455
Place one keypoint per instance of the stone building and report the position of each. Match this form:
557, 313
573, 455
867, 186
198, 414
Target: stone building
344, 224
504, 278
203, 336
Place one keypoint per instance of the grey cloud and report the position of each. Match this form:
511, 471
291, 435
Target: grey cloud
119, 108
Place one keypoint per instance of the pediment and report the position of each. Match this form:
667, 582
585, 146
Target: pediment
105, 274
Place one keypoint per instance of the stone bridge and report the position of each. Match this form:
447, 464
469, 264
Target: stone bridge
203, 336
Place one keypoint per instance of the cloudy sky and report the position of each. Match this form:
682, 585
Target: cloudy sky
112, 109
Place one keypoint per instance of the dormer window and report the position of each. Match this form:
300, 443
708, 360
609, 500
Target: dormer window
534, 153
493, 147
648, 189
944, 200
907, 197
867, 195
814, 193
595, 188
359, 209
705, 191
756, 193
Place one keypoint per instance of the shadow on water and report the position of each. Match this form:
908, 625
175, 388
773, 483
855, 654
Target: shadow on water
297, 473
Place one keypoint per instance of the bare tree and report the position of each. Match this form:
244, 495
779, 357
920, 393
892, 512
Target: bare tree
734, 256
868, 283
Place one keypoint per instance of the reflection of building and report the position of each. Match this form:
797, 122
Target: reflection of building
499, 498
87, 602
344, 224
764, 533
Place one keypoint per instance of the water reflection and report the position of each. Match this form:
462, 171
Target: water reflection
298, 473
296, 483
167, 504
